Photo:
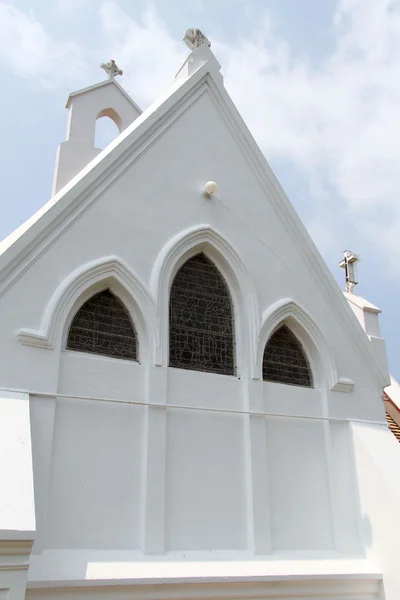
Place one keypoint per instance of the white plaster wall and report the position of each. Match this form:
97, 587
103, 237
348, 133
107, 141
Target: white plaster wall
96, 476
98, 376
17, 510
298, 482
122, 476
377, 455
205, 467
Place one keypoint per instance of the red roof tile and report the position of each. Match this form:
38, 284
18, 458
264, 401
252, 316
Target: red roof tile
394, 428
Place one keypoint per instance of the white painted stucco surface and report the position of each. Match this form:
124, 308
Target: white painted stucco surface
140, 469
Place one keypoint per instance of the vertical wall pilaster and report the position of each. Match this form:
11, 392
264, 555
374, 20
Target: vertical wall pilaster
340, 481
258, 495
42, 418
14, 563
155, 441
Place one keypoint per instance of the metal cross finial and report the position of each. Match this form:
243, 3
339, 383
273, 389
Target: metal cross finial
349, 264
111, 68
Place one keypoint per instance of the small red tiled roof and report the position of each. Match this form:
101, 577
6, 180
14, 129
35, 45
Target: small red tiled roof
394, 428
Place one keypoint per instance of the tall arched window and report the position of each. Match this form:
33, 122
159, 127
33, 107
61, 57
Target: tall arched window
201, 329
103, 326
285, 361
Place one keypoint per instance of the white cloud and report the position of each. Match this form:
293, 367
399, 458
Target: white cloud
65, 8
146, 51
31, 52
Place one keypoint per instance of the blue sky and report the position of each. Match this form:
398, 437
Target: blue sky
316, 81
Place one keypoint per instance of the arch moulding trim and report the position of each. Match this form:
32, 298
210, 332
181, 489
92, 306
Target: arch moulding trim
276, 314
73, 286
196, 239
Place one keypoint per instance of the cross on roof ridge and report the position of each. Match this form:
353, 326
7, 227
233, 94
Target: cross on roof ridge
111, 68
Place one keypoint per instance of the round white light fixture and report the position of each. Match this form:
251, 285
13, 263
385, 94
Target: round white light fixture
209, 189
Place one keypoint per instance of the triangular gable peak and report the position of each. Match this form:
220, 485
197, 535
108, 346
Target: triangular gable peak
199, 75
101, 84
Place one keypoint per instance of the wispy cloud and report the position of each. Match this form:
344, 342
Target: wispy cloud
31, 52
146, 48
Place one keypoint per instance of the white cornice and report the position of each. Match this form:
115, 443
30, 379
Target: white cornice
15, 551
362, 303
15, 547
99, 85
287, 587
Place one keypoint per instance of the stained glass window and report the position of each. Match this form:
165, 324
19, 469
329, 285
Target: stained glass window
201, 329
103, 326
284, 360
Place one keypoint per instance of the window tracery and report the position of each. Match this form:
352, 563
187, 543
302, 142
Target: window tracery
103, 326
284, 360
201, 329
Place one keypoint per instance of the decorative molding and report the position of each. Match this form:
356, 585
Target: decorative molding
109, 272
18, 566
31, 337
203, 238
343, 385
102, 84
13, 547
322, 363
288, 587
14, 553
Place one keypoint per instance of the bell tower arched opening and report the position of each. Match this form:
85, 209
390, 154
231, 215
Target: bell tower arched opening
108, 127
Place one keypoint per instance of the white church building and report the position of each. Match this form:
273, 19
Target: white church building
189, 407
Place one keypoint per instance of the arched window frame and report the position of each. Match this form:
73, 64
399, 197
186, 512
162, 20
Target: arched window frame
322, 364
100, 354
295, 330
119, 291
234, 369
176, 251
228, 277
108, 272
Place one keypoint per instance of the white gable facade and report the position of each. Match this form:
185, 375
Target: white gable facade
137, 478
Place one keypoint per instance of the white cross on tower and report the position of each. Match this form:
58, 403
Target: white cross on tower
111, 69
349, 264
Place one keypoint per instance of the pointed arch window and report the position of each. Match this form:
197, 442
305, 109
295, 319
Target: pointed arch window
103, 326
201, 326
284, 360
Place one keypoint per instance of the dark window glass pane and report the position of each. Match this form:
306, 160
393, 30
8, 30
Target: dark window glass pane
201, 333
103, 326
284, 360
